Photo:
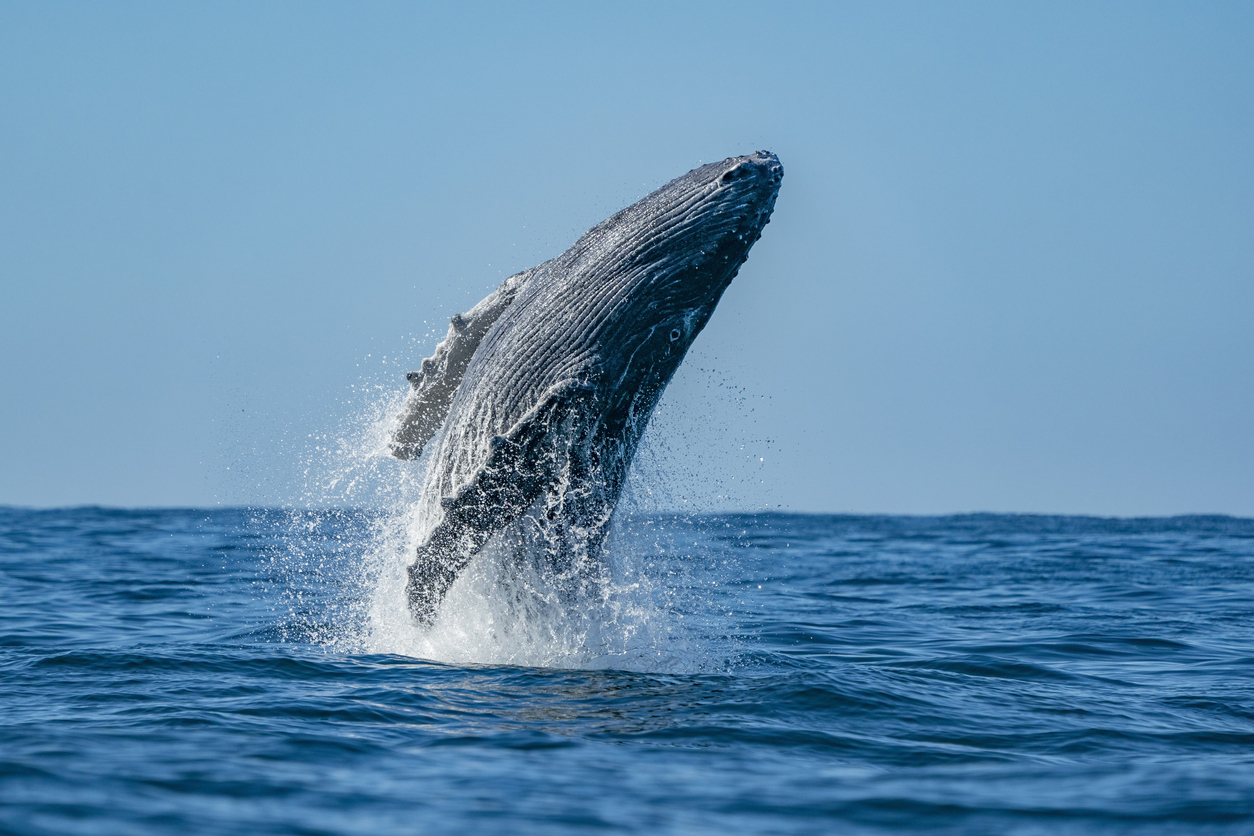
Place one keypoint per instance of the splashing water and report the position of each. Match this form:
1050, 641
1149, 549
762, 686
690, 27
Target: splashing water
349, 549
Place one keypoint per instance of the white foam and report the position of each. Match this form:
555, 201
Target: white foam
500, 611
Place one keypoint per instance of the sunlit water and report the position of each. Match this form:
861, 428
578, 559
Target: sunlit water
247, 672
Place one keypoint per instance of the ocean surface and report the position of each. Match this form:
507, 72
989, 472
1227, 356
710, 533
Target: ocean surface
244, 671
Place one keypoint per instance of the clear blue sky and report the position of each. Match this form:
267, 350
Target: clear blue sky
1011, 267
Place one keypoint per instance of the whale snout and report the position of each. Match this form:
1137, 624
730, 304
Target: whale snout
762, 166
768, 164
752, 182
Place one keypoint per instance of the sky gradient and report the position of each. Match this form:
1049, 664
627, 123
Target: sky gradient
1011, 267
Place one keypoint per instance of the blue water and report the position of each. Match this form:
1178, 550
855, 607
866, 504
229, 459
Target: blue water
236, 672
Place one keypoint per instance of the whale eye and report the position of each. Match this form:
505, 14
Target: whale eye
675, 334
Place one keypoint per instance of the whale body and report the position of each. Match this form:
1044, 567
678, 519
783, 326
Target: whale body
541, 392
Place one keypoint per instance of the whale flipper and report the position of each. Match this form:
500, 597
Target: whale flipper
520, 465
433, 387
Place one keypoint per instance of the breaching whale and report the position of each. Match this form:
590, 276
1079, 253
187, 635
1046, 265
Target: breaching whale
540, 393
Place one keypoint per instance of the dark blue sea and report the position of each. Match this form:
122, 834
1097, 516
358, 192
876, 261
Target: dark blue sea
243, 671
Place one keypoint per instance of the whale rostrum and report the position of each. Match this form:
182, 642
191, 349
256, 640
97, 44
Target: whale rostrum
538, 396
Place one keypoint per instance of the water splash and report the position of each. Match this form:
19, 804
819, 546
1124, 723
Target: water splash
348, 549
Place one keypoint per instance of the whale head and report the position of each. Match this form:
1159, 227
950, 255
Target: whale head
653, 273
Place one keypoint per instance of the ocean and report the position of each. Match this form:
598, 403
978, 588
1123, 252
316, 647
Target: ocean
231, 671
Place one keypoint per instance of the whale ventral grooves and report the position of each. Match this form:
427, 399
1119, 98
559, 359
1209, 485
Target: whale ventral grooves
537, 396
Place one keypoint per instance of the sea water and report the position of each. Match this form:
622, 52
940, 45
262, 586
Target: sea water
237, 671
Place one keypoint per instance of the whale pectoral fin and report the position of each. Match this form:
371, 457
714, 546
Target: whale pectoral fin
516, 471
433, 387
518, 464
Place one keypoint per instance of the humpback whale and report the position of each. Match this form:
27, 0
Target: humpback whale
538, 395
